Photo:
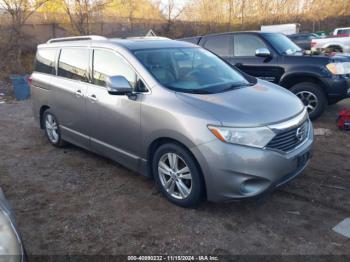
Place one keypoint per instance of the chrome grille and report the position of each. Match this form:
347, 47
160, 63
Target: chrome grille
288, 140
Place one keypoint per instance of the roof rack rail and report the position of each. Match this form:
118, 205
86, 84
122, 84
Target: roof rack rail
76, 38
148, 37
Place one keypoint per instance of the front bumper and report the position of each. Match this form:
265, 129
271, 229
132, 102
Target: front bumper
338, 88
238, 172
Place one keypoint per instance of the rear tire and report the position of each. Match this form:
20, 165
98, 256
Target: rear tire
177, 175
52, 129
312, 97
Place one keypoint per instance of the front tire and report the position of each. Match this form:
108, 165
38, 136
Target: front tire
52, 129
177, 175
312, 97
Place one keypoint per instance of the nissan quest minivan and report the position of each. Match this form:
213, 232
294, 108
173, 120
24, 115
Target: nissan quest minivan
172, 111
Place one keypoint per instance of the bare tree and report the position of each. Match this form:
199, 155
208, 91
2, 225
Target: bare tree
19, 11
129, 6
80, 13
172, 12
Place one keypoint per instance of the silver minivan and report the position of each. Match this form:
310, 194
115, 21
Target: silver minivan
172, 111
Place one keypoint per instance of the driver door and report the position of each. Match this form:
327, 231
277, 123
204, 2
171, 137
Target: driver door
244, 48
114, 120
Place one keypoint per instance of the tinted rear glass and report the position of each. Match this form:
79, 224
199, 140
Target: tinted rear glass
73, 64
45, 61
343, 31
220, 45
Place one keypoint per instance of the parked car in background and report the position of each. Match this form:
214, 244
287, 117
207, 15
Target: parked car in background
321, 34
303, 40
173, 111
345, 31
316, 80
287, 29
11, 248
338, 44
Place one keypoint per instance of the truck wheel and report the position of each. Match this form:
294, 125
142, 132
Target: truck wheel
312, 97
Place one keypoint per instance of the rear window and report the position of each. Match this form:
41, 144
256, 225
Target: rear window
343, 31
45, 61
73, 64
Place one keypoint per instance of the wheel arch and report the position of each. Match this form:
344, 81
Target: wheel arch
334, 46
293, 79
165, 140
41, 114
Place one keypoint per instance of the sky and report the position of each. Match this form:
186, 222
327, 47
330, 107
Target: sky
180, 3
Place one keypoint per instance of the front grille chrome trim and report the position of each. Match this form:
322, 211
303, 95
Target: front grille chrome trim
290, 124
285, 140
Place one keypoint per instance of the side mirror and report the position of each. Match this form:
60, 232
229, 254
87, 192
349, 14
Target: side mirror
118, 85
262, 52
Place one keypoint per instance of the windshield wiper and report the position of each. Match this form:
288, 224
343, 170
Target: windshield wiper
237, 86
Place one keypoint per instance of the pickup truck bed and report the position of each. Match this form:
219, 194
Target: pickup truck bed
334, 44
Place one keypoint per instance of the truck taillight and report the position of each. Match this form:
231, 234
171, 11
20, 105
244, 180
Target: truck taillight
30, 80
313, 43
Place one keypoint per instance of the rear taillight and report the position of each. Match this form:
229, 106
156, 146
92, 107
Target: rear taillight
30, 80
313, 43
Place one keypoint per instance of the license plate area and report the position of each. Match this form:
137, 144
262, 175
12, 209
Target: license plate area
302, 160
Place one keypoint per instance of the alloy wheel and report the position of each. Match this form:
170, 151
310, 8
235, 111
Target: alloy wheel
52, 128
175, 175
309, 100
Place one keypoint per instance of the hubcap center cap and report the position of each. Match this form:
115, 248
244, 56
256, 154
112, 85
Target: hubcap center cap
173, 175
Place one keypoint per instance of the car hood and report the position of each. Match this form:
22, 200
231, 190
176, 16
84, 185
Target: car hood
261, 104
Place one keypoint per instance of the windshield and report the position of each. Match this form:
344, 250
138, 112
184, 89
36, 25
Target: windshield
282, 44
190, 70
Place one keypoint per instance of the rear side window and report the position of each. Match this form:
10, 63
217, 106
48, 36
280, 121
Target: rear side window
45, 61
343, 31
246, 45
107, 63
73, 64
220, 45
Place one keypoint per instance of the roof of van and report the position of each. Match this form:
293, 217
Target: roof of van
131, 43
136, 44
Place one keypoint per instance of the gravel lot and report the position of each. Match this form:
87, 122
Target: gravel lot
70, 201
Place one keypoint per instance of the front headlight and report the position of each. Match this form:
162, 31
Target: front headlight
10, 247
339, 68
250, 136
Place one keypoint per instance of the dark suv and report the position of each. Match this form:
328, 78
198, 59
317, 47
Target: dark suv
303, 40
316, 80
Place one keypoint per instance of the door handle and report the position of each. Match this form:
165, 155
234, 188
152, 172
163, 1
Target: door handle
93, 98
78, 93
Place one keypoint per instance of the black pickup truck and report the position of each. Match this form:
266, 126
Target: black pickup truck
318, 80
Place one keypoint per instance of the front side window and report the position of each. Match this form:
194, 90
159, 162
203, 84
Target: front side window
282, 44
190, 70
220, 45
73, 64
45, 61
246, 45
107, 63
